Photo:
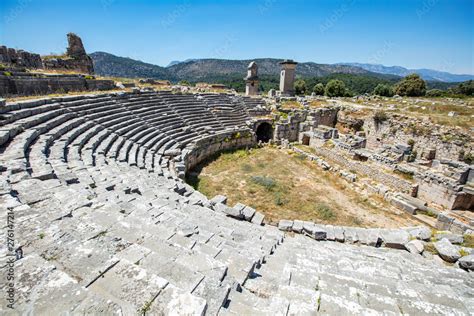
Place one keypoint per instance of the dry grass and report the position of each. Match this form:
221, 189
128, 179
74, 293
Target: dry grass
317, 104
287, 105
284, 185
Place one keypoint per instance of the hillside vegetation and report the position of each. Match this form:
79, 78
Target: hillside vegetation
231, 73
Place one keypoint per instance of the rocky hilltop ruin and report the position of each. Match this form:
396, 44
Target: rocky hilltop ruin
75, 58
23, 73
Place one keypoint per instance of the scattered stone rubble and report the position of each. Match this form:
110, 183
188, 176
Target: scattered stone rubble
104, 223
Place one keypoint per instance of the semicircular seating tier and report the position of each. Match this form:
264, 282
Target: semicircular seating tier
103, 222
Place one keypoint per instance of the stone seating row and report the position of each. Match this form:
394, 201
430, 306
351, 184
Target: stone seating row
106, 227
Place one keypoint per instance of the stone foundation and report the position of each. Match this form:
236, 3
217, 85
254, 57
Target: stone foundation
24, 84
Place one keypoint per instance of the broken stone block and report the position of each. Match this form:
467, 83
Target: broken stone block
422, 233
467, 262
319, 232
339, 233
447, 251
394, 238
229, 211
285, 225
453, 238
219, 199
415, 246
248, 213
298, 226
258, 218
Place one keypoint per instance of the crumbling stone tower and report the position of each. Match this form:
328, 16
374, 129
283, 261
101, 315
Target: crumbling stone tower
75, 47
251, 81
287, 77
76, 57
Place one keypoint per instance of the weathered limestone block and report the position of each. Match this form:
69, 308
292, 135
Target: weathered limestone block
447, 251
258, 218
339, 233
285, 225
394, 238
219, 199
229, 211
415, 246
298, 226
422, 232
467, 262
444, 221
453, 238
248, 213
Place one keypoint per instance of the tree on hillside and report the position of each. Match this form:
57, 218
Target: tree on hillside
318, 89
466, 88
335, 88
300, 86
435, 93
383, 90
411, 86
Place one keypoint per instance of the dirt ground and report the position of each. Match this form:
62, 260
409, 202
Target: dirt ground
284, 185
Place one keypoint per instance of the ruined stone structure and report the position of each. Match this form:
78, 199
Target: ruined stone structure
25, 84
16, 80
104, 222
19, 58
75, 58
251, 81
287, 77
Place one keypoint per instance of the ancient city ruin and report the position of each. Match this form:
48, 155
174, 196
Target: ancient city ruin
105, 222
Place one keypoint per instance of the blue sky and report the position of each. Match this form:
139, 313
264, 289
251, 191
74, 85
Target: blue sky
437, 34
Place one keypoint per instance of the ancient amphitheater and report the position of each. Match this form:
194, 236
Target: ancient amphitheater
103, 223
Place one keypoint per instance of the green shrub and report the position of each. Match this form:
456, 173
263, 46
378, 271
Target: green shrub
383, 90
380, 116
335, 88
279, 199
318, 89
469, 158
411, 86
325, 212
435, 93
7, 73
266, 182
300, 87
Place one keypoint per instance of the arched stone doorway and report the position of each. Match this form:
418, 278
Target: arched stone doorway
264, 132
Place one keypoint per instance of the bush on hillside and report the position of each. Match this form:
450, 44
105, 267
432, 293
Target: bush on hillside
383, 90
335, 88
318, 89
411, 86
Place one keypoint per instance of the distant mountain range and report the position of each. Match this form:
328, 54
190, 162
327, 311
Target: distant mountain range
427, 74
195, 70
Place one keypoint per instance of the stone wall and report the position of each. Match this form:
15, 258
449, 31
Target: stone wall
206, 147
24, 84
20, 58
303, 121
379, 176
448, 142
75, 59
